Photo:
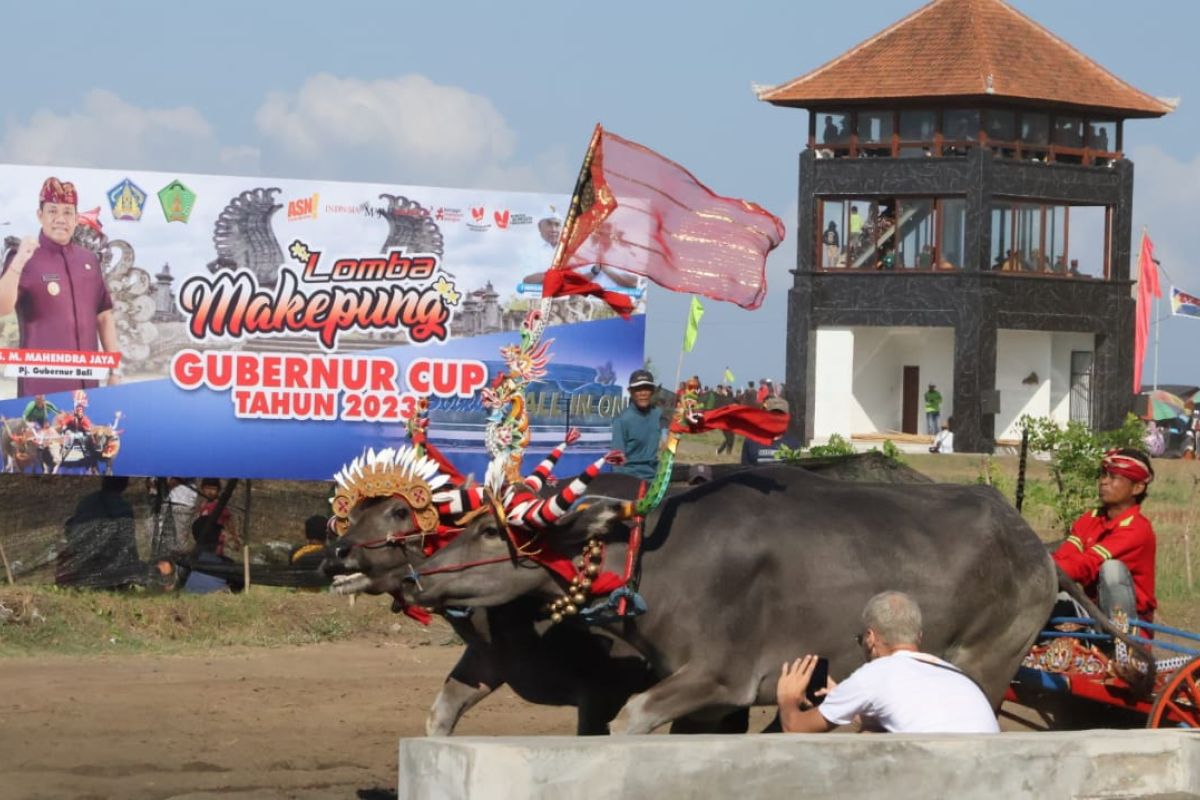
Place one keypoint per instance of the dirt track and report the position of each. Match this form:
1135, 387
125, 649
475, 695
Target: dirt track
310, 722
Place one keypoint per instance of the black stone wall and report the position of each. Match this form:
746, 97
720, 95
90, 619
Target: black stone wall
975, 302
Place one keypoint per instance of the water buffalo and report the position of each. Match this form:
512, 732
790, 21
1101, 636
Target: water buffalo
559, 666
764, 565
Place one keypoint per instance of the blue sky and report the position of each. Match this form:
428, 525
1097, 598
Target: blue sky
503, 96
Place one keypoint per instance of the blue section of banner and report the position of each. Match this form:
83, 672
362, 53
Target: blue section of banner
167, 430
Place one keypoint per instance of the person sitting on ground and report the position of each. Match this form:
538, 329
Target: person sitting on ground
310, 554
899, 689
944, 441
1111, 549
100, 549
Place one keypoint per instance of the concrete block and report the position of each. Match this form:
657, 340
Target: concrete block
1088, 764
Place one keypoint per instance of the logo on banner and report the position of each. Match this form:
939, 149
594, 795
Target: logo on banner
126, 200
443, 214
478, 221
501, 218
326, 297
304, 208
177, 201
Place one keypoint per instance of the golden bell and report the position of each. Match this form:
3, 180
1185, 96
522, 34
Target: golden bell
556, 617
578, 598
585, 583
592, 569
570, 609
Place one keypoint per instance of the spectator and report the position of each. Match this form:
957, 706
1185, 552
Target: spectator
749, 395
40, 412
310, 554
210, 490
831, 241
101, 541
1111, 549
754, 453
724, 398
638, 430
944, 441
764, 391
854, 240
899, 689
173, 539
933, 409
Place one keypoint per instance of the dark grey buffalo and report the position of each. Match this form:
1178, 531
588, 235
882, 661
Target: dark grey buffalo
510, 643
762, 566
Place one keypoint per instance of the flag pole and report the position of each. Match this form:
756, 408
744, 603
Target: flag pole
574, 209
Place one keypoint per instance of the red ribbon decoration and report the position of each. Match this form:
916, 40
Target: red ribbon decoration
563, 282
91, 219
757, 424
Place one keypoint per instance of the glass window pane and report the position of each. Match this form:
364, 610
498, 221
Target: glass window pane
1068, 131
1002, 253
1035, 128
1001, 125
1028, 237
960, 125
1085, 245
875, 126
832, 238
954, 229
833, 127
1102, 135
917, 126
915, 234
1056, 239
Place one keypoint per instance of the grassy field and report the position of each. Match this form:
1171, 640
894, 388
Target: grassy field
37, 618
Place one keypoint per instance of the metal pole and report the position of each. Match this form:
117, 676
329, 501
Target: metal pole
246, 540
1021, 469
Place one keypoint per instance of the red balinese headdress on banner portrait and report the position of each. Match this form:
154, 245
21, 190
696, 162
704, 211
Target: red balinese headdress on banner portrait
55, 191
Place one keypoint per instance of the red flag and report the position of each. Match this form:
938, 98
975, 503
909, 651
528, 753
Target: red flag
1148, 288
645, 214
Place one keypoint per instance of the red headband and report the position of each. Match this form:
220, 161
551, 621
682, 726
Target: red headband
1126, 466
55, 191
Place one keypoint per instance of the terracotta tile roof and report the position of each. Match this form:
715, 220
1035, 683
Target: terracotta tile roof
966, 49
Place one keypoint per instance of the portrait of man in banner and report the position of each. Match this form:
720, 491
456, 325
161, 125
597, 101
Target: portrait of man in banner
58, 291
607, 278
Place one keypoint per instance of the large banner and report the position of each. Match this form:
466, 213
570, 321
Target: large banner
174, 324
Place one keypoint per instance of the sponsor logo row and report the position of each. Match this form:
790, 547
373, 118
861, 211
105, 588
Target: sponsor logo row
127, 202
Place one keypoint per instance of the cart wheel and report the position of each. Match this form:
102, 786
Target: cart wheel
1178, 705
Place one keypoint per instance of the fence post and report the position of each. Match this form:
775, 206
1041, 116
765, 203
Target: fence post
246, 540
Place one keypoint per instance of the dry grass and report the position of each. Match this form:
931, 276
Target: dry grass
48, 619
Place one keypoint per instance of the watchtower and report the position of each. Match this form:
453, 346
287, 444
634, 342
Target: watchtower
965, 221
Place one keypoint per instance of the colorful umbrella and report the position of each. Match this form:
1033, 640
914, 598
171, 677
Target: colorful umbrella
1161, 404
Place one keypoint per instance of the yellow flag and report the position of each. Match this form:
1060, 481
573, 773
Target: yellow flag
693, 326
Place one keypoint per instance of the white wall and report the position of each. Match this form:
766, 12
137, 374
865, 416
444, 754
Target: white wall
1020, 353
860, 376
1061, 345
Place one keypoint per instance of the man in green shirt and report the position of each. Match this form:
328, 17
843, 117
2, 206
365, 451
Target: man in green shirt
933, 409
39, 411
638, 430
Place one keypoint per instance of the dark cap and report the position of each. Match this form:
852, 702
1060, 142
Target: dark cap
641, 378
699, 473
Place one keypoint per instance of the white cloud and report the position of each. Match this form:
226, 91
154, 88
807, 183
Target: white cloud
407, 129
107, 131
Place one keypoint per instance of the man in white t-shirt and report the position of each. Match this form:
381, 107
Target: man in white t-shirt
899, 689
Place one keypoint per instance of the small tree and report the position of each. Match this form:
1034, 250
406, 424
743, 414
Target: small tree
1075, 452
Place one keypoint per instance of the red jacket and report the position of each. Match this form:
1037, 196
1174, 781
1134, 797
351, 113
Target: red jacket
1095, 538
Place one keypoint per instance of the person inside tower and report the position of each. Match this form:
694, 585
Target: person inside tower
1111, 549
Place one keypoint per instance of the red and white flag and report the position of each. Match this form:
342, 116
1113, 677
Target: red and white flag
1147, 290
643, 213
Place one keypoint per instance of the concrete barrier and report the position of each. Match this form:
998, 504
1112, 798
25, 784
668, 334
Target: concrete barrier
1090, 764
